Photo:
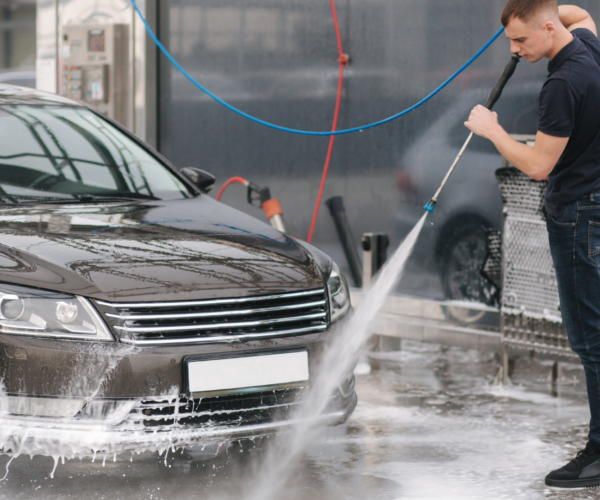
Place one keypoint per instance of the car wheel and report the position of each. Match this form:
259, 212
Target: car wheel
462, 261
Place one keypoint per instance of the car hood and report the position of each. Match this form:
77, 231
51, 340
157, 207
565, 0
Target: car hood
151, 251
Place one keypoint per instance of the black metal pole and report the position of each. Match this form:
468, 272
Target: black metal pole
338, 212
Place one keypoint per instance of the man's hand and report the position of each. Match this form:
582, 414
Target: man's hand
482, 122
537, 161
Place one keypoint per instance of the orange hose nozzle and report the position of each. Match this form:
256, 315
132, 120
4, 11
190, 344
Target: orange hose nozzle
272, 207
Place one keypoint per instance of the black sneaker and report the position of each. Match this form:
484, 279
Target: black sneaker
581, 472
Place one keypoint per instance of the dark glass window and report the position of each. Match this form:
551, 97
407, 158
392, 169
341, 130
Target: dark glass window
48, 152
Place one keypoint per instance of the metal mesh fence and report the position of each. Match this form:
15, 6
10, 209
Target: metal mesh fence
530, 308
492, 268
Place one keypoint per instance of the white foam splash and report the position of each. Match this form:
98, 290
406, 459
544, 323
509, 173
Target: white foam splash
337, 361
50, 436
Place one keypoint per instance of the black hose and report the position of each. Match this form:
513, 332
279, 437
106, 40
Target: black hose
338, 212
508, 72
492, 99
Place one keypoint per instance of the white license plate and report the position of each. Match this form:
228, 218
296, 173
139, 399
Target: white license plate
248, 373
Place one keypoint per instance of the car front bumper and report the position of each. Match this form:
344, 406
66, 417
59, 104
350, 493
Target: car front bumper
77, 399
73, 439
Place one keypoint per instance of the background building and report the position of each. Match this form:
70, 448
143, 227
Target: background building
277, 59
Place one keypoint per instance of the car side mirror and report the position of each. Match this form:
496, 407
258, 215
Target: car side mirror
200, 178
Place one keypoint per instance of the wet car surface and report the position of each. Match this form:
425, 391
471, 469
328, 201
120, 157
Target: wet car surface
120, 280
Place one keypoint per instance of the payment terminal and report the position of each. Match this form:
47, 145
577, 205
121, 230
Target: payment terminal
94, 67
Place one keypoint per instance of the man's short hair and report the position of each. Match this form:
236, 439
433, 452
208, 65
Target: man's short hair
525, 9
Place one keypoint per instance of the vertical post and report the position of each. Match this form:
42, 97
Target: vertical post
145, 75
505, 366
554, 376
505, 360
367, 264
8, 37
46, 27
375, 247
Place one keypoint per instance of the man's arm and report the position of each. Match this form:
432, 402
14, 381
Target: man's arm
537, 162
574, 17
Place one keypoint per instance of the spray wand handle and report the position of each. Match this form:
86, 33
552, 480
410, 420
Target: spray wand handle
508, 72
494, 96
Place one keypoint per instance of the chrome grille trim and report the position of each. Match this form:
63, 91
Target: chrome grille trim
210, 302
218, 320
132, 317
213, 326
225, 412
136, 415
227, 338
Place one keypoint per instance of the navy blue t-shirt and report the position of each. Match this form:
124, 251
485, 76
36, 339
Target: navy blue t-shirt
570, 107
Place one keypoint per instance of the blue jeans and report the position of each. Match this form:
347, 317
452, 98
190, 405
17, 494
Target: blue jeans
575, 246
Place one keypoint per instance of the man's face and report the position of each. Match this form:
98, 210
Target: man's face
532, 40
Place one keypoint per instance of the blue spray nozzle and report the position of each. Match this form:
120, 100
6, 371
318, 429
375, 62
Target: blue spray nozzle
430, 206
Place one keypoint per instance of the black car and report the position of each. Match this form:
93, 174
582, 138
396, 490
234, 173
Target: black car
135, 310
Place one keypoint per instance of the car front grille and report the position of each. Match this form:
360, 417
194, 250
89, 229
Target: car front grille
234, 410
218, 320
164, 413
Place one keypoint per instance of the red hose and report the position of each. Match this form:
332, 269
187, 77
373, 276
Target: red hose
343, 60
241, 180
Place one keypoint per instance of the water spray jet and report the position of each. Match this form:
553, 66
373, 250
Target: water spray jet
339, 355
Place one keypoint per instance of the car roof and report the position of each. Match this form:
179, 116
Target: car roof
13, 94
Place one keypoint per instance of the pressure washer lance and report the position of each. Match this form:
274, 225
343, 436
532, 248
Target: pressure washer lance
492, 99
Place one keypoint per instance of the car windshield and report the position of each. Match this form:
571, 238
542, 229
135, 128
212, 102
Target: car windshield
53, 152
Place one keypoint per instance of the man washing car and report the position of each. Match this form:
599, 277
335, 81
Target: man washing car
567, 153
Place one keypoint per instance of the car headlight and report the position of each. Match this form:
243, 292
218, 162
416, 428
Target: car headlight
43, 313
339, 295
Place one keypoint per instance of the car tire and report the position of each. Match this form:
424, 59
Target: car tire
462, 258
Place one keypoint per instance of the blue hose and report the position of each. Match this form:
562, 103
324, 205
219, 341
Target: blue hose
307, 132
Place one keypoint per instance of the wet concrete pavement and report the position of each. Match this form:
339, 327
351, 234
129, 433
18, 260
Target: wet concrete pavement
430, 424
